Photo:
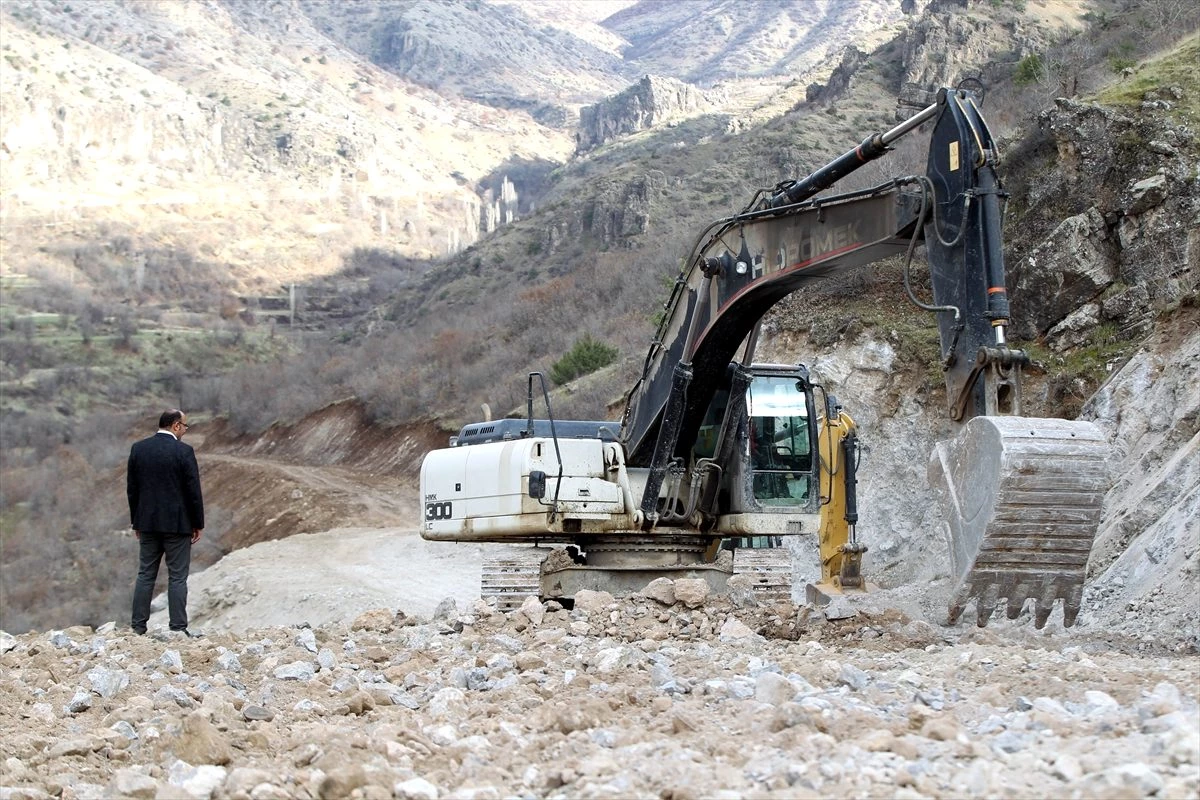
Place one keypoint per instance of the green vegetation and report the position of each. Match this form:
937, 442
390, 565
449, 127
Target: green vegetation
1030, 69
1121, 58
1119, 64
586, 356
90, 362
1073, 376
1175, 68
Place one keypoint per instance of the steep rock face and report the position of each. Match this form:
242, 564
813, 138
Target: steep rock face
899, 520
649, 102
839, 80
1065, 273
1147, 552
1131, 242
612, 217
500, 207
948, 44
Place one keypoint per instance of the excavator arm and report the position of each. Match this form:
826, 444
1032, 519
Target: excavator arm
741, 266
1005, 542
746, 266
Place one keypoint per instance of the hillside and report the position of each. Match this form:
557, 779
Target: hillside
273, 149
281, 137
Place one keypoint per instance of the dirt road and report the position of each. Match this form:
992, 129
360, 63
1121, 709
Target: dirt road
373, 558
331, 577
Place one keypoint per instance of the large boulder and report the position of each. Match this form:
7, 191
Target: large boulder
1070, 268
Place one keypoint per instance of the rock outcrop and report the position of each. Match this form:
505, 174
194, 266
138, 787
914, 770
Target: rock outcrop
1146, 560
839, 80
1130, 242
948, 44
649, 102
612, 217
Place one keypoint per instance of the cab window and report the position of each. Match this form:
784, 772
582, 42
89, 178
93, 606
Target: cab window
780, 445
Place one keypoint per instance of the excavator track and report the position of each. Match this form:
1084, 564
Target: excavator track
769, 570
512, 577
1022, 499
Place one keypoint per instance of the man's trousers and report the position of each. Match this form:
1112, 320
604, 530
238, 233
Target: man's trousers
177, 547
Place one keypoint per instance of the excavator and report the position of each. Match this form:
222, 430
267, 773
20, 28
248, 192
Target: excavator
716, 457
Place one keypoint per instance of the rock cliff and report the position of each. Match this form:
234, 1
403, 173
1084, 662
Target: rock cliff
649, 102
949, 43
1120, 189
620, 211
839, 80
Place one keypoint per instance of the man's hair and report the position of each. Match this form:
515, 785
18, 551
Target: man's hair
169, 418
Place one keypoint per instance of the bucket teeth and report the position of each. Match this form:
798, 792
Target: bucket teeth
1071, 605
1015, 604
986, 604
1021, 498
1042, 613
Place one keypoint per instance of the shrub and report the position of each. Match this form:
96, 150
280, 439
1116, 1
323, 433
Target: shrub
1118, 64
586, 356
1030, 69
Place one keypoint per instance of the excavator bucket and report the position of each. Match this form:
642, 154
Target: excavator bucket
1022, 499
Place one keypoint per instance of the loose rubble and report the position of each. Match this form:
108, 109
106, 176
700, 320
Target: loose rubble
611, 699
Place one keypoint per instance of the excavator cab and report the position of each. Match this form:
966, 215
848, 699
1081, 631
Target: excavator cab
774, 430
779, 440
761, 428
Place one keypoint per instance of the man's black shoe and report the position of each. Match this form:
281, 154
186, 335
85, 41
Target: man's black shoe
139, 631
187, 633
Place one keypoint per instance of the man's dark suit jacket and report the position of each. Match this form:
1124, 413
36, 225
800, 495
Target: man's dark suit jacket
163, 484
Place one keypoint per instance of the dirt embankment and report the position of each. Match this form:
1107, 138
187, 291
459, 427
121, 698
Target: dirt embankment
340, 434
333, 469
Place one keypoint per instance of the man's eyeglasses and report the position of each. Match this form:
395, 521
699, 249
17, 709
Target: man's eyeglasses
185, 425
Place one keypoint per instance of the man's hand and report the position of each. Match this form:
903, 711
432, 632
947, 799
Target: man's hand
196, 534
137, 535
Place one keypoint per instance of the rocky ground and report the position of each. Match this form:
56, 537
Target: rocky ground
669, 695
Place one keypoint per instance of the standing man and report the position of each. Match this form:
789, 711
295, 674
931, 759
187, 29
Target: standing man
167, 515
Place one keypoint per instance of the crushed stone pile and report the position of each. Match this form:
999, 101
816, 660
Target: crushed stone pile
611, 699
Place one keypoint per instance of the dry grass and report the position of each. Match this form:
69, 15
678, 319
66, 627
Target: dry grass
1173, 68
